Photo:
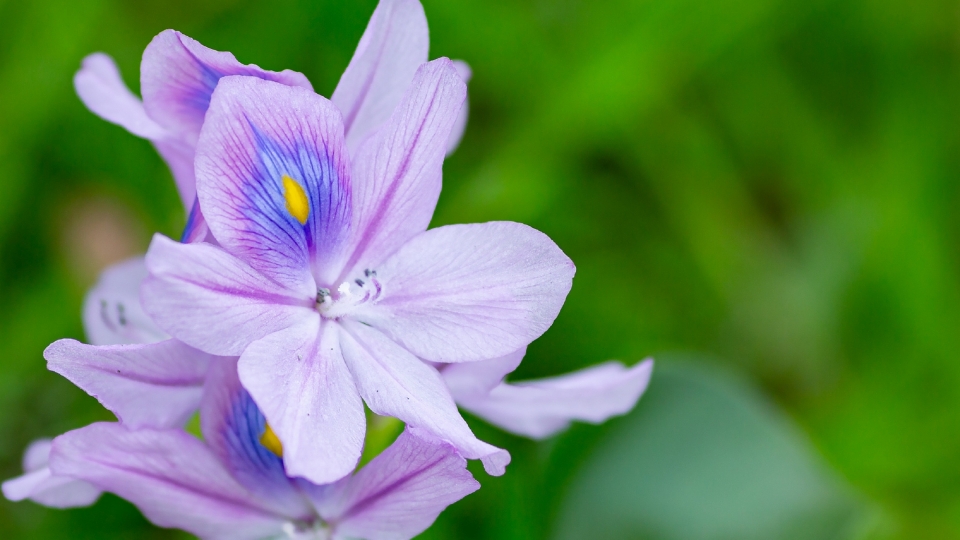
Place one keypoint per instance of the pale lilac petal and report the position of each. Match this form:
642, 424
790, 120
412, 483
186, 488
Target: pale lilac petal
155, 385
41, 486
211, 300
393, 46
232, 426
393, 382
540, 408
402, 491
298, 378
37, 455
453, 141
102, 90
471, 292
170, 476
179, 155
479, 378
112, 314
397, 173
258, 137
178, 75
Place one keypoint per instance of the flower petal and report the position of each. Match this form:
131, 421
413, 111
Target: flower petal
273, 182
102, 90
456, 133
468, 379
298, 379
41, 486
393, 382
232, 427
169, 475
397, 173
402, 491
471, 292
154, 385
178, 75
112, 314
540, 408
391, 49
211, 300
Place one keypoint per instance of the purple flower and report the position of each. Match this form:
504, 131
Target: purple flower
328, 285
540, 408
232, 485
178, 76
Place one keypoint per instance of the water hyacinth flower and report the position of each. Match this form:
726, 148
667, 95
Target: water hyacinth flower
232, 484
328, 285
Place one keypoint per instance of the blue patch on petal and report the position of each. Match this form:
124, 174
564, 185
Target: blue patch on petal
315, 172
244, 427
251, 463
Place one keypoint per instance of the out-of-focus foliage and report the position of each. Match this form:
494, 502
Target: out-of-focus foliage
773, 183
704, 458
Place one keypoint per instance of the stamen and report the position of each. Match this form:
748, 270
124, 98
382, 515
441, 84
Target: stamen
271, 442
297, 203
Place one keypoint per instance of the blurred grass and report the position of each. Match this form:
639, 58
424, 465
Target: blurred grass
773, 183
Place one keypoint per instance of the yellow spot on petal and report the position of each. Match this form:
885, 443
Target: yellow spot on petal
297, 203
271, 442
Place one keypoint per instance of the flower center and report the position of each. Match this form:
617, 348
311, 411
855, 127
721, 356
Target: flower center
349, 296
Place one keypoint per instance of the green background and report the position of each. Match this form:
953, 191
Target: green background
761, 194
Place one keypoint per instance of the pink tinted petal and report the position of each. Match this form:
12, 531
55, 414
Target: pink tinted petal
471, 292
102, 90
298, 379
178, 76
393, 46
112, 314
393, 382
154, 385
211, 300
540, 408
402, 491
456, 133
41, 486
478, 378
232, 426
258, 137
397, 173
169, 475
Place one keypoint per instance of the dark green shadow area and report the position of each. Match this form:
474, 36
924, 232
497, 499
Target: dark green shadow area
707, 457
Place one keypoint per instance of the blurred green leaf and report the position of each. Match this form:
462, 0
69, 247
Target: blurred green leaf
705, 457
